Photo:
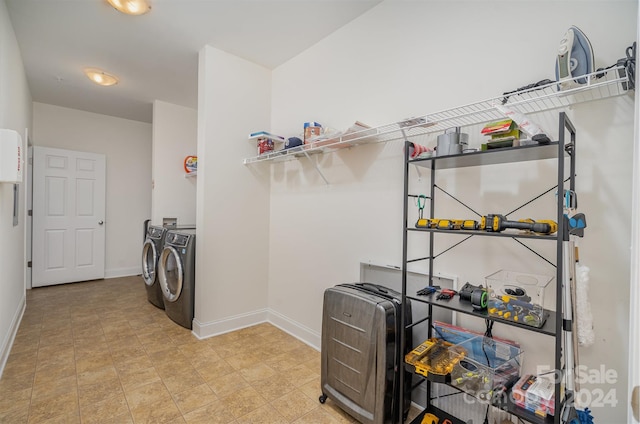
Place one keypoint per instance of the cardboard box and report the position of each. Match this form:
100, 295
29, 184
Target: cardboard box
501, 129
311, 129
535, 394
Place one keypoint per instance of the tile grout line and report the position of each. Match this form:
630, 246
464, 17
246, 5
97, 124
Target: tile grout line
35, 369
138, 327
75, 365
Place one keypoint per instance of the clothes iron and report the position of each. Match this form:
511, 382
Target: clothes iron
575, 59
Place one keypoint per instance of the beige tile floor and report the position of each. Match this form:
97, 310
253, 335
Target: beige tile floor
98, 352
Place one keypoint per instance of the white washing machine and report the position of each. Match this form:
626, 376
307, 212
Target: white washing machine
151, 250
177, 275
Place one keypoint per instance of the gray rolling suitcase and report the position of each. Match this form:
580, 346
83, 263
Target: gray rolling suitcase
360, 344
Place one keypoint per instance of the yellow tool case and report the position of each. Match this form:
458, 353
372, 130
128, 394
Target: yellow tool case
435, 358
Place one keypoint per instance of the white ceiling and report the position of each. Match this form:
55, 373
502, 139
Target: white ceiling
156, 55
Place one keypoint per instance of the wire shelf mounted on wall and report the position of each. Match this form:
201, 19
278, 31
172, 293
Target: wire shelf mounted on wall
599, 85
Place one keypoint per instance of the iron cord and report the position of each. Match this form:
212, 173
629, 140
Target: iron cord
629, 64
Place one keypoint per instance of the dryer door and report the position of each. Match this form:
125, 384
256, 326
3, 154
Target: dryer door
149, 262
170, 274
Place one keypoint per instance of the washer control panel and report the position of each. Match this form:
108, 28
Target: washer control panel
178, 239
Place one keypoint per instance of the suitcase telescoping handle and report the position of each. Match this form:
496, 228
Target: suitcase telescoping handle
376, 287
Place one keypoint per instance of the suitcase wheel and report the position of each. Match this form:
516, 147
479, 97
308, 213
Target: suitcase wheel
322, 398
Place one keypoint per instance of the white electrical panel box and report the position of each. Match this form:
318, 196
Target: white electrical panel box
11, 156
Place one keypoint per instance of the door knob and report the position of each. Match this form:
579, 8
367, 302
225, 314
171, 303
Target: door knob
100, 222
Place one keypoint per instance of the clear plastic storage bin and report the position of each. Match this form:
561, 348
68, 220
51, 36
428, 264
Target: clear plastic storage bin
517, 296
487, 364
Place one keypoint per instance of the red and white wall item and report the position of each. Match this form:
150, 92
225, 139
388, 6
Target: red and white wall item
190, 164
11, 156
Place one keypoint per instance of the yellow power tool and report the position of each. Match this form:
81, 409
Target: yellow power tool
497, 223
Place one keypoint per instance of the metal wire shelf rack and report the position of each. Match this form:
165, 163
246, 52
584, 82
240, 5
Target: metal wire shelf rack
599, 85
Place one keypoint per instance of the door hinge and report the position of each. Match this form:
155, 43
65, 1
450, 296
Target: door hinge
30, 213
29, 264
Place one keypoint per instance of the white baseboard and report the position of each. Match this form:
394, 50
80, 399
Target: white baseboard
7, 343
215, 328
226, 325
296, 329
122, 272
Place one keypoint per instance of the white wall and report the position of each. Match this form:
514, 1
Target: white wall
634, 295
15, 114
174, 138
127, 147
407, 58
233, 201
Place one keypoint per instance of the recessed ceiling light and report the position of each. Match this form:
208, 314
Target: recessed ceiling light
131, 7
100, 77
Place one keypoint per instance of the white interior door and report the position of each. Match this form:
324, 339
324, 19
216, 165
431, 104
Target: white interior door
68, 216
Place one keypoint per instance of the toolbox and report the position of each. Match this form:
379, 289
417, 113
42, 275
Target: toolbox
435, 359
